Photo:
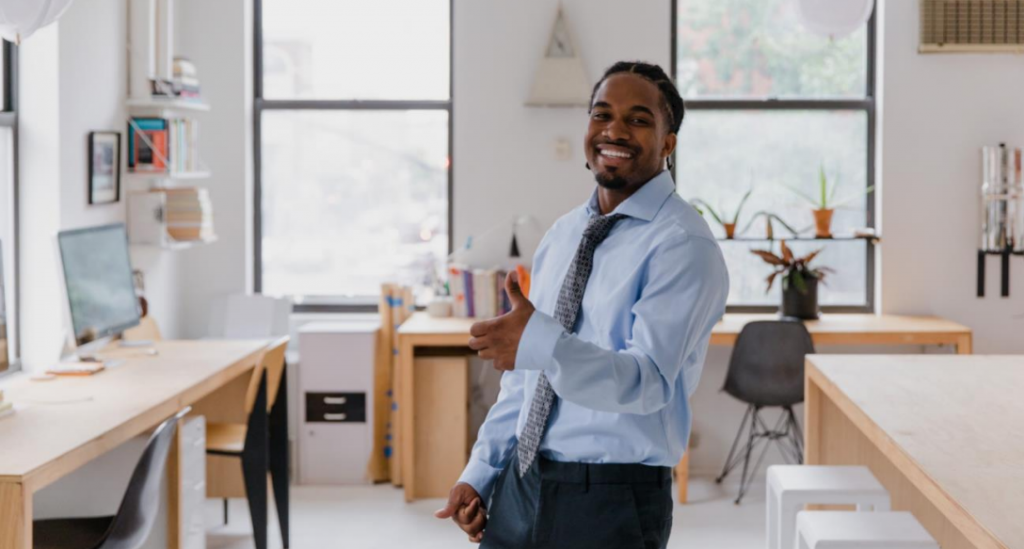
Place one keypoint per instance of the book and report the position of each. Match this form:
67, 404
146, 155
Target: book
467, 277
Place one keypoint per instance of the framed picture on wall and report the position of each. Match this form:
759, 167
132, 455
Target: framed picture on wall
104, 167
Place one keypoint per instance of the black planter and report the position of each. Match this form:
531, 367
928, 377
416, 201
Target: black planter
801, 304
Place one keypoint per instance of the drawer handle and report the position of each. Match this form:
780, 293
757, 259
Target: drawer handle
335, 417
335, 400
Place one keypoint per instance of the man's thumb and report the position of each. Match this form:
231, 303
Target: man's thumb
515, 293
448, 511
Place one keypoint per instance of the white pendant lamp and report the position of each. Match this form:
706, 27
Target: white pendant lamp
834, 18
20, 18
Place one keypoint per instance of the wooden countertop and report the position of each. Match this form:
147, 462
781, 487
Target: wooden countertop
63, 423
831, 329
952, 424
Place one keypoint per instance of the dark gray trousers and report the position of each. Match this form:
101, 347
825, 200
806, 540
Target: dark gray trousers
580, 505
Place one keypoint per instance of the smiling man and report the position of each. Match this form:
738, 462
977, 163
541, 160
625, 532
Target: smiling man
593, 409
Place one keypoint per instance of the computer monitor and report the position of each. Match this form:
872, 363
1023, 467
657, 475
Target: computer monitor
98, 282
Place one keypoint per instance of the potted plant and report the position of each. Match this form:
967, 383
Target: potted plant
727, 223
825, 204
799, 281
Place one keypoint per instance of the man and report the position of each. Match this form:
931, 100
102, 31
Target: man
593, 411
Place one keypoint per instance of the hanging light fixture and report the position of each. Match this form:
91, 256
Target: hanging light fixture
834, 18
19, 19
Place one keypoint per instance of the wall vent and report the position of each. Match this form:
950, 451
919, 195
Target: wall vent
978, 26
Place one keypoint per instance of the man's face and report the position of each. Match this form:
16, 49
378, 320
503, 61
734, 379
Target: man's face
628, 137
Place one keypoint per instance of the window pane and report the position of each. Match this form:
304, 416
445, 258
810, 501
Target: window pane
352, 199
723, 154
747, 272
353, 49
8, 295
759, 48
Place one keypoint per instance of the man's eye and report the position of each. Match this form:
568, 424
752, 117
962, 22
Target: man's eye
600, 116
640, 121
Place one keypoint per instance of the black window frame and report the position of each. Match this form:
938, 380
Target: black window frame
260, 104
9, 119
866, 105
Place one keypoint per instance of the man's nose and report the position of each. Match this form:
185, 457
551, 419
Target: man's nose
617, 130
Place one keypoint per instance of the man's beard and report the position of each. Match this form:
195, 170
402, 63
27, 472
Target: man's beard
611, 182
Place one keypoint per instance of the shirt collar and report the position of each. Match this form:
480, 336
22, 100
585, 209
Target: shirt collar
643, 204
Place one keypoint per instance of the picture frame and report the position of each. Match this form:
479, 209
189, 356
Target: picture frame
104, 167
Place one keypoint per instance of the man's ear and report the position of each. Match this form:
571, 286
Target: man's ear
670, 145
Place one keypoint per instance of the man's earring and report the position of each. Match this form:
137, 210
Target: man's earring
587, 165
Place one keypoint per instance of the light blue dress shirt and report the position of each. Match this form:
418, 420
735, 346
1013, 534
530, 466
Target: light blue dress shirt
658, 286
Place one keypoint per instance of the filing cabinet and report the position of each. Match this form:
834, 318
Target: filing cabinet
336, 403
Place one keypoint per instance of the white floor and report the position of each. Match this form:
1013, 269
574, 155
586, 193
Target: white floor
377, 517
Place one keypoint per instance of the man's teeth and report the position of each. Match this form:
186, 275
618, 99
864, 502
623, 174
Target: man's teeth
616, 154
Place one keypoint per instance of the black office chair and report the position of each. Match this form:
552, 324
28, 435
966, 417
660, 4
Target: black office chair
130, 527
766, 370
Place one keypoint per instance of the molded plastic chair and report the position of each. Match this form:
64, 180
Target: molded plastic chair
766, 370
130, 527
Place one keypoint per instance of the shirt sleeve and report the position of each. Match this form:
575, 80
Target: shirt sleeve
496, 439
682, 299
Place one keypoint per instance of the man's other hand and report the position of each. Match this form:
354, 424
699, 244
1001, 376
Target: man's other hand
498, 339
466, 509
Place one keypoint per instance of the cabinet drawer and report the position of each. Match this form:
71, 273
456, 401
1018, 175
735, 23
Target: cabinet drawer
335, 407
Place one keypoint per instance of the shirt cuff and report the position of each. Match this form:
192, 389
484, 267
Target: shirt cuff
481, 477
537, 344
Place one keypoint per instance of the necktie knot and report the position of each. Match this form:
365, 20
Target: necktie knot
599, 226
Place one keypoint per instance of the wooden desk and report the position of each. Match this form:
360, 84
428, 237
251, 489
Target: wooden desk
942, 434
72, 420
837, 329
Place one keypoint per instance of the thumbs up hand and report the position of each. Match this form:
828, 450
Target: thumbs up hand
498, 338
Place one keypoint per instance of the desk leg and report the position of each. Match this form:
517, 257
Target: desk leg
812, 422
406, 406
683, 476
15, 516
964, 345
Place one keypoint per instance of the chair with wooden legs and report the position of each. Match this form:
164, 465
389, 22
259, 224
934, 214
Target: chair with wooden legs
260, 444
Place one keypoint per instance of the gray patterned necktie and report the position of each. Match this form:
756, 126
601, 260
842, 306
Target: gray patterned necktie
566, 310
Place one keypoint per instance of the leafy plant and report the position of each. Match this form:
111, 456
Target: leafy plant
794, 270
826, 199
722, 220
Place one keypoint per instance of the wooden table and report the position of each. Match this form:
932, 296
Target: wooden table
423, 331
942, 433
65, 423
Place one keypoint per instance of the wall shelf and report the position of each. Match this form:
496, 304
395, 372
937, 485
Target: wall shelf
872, 239
149, 105
147, 223
146, 176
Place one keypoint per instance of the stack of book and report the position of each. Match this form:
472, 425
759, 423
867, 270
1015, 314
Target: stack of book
477, 293
188, 213
186, 79
163, 145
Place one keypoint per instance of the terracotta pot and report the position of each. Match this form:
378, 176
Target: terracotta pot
823, 223
730, 230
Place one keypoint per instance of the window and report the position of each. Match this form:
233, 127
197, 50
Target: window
769, 107
9, 351
353, 148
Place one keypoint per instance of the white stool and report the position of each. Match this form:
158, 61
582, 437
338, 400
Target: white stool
846, 530
790, 487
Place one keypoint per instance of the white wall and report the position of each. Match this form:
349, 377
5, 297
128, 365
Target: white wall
504, 153
217, 37
939, 110
73, 81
